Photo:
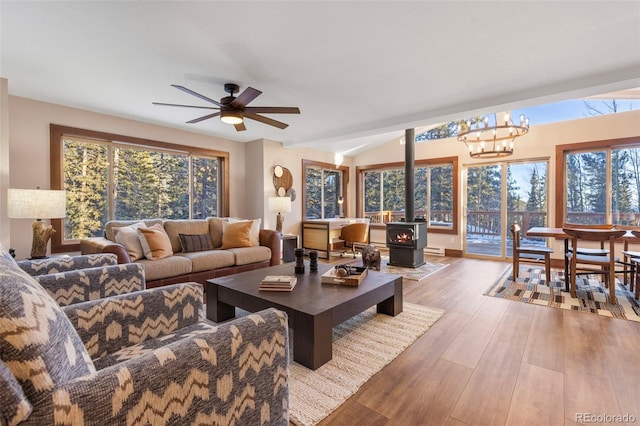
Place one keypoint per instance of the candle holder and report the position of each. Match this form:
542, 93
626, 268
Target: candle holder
313, 261
299, 268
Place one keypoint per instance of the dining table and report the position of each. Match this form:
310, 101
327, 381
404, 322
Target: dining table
541, 231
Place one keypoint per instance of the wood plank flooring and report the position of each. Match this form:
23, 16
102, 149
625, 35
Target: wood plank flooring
491, 361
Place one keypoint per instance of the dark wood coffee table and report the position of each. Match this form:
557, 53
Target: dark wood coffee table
313, 308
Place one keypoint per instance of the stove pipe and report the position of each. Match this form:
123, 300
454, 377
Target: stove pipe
409, 173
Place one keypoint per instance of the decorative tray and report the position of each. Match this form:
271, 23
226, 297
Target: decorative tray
356, 274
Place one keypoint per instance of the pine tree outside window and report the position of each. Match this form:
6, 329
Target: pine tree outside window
123, 178
601, 184
435, 193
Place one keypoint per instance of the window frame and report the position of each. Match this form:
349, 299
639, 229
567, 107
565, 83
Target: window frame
427, 162
329, 166
561, 165
56, 134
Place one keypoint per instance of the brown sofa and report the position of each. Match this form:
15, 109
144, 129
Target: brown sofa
196, 266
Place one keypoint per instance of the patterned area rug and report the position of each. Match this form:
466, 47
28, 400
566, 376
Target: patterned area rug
592, 295
361, 347
414, 274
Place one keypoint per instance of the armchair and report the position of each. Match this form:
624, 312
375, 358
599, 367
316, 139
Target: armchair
147, 357
77, 279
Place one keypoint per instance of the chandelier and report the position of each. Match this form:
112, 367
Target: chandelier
491, 141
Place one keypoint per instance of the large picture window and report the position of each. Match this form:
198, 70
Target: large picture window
324, 185
111, 177
382, 190
599, 182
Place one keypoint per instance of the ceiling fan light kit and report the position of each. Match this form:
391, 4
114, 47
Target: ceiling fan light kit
230, 117
234, 109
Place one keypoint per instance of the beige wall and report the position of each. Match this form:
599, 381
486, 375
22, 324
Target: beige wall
5, 232
539, 143
276, 154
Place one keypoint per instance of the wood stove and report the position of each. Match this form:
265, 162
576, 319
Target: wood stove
406, 242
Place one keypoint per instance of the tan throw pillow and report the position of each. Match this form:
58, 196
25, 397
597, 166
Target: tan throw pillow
128, 237
254, 235
155, 242
236, 235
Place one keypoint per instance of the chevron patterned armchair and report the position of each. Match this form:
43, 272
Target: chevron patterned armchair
147, 357
74, 279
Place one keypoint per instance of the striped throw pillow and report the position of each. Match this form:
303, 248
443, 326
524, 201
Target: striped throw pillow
198, 242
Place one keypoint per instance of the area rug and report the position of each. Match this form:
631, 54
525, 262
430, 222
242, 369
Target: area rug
413, 274
361, 347
591, 294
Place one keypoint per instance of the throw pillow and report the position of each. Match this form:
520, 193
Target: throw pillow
155, 242
128, 237
236, 235
255, 229
39, 344
15, 406
199, 242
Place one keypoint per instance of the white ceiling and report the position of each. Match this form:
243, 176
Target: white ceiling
361, 72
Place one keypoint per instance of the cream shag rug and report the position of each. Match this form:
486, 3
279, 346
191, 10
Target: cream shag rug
413, 274
361, 347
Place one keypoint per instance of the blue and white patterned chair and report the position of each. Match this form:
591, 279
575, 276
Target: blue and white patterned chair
147, 357
75, 279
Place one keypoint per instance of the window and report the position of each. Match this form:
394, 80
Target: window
111, 177
599, 182
324, 185
382, 190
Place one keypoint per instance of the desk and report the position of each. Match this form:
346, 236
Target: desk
324, 234
539, 231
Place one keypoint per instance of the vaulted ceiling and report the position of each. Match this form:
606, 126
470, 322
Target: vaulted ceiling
360, 72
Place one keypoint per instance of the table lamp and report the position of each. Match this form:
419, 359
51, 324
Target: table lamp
37, 204
279, 205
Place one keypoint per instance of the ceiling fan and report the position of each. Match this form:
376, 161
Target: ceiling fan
233, 110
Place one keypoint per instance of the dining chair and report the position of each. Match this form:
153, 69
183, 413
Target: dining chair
602, 251
355, 236
594, 264
633, 259
530, 254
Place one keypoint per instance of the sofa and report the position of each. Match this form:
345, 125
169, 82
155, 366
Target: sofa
75, 279
217, 248
146, 357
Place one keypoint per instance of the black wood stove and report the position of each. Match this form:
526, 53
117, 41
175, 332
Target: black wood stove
406, 240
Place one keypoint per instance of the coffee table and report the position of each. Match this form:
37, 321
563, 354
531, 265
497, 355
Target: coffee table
313, 308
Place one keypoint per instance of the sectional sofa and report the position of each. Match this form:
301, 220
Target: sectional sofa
197, 250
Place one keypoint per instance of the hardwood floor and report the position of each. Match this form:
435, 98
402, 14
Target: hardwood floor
490, 361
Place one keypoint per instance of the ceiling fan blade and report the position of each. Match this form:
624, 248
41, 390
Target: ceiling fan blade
206, 117
274, 110
196, 94
265, 120
240, 127
245, 97
180, 105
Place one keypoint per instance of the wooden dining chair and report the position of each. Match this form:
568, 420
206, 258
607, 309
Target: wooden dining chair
602, 251
531, 254
633, 258
594, 264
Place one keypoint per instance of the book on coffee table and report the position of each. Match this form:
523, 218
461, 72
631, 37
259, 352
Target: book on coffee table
278, 283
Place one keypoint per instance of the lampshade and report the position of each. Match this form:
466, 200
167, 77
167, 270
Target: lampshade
230, 117
36, 204
279, 204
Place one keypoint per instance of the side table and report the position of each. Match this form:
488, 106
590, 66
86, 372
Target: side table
289, 245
